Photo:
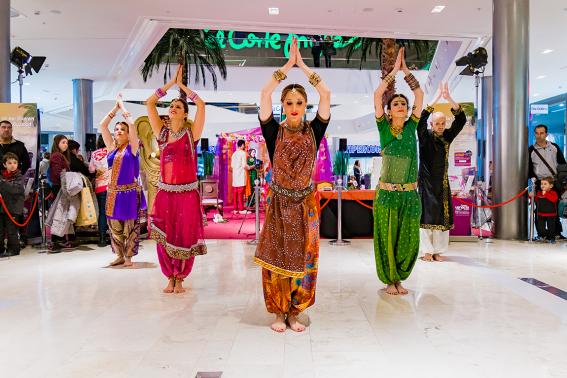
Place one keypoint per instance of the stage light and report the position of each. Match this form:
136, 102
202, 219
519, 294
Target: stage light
25, 63
24, 60
475, 61
20, 57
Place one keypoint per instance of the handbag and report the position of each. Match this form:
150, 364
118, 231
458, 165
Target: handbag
87, 212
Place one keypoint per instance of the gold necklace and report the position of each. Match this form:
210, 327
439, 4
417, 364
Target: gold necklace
177, 134
293, 129
396, 131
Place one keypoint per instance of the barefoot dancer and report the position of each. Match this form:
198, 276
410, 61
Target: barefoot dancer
289, 243
397, 208
437, 209
124, 195
176, 222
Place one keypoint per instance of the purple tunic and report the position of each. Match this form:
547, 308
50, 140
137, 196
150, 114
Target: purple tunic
124, 195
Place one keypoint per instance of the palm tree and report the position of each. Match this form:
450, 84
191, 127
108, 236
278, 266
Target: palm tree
387, 50
187, 47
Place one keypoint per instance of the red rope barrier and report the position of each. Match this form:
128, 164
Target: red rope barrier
12, 218
325, 204
357, 200
493, 206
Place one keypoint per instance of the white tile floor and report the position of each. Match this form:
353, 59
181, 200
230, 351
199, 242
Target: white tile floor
66, 316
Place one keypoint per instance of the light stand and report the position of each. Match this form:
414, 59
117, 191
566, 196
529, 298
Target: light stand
21, 81
475, 63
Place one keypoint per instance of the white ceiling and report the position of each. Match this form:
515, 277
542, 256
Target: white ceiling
106, 41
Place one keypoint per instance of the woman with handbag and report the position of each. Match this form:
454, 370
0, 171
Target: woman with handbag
124, 199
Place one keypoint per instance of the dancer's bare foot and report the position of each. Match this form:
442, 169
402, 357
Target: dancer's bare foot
295, 324
118, 261
391, 289
178, 288
438, 257
169, 288
427, 257
128, 262
279, 324
401, 290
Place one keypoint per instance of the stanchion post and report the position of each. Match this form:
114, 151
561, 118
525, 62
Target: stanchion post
478, 203
257, 210
531, 207
339, 240
43, 247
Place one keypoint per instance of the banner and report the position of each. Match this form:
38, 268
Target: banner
23, 118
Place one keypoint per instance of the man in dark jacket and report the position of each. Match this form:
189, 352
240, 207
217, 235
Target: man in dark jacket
433, 182
544, 157
12, 191
9, 144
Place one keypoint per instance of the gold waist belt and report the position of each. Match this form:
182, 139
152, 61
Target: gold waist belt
295, 194
178, 188
123, 188
398, 187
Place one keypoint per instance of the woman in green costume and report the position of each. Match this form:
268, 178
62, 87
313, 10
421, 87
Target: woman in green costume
397, 206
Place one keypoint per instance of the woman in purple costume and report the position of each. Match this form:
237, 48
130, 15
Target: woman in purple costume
125, 199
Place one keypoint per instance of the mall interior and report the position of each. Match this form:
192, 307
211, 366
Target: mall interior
249, 230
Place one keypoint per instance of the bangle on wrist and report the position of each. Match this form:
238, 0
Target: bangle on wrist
389, 79
412, 81
160, 93
111, 115
279, 75
193, 96
314, 79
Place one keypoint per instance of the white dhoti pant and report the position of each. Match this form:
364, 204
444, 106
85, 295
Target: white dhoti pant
433, 241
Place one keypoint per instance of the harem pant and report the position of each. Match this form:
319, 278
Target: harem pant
171, 267
125, 236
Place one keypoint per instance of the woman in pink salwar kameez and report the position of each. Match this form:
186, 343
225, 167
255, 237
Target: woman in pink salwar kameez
176, 221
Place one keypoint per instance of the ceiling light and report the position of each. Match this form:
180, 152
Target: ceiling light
273, 11
535, 95
438, 9
541, 77
547, 51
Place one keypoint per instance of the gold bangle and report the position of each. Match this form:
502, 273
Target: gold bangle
279, 75
111, 115
389, 79
314, 79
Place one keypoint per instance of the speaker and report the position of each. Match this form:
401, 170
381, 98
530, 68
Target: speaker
204, 144
43, 138
90, 142
342, 144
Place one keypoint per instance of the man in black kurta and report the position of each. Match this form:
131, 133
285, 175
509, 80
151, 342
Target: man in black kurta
433, 181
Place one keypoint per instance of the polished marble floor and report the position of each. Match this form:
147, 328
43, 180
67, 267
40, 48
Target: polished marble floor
65, 315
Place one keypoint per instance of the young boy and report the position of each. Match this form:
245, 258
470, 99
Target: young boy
546, 201
12, 191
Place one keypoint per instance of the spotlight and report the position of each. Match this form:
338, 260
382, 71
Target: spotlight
25, 63
20, 57
475, 61
23, 59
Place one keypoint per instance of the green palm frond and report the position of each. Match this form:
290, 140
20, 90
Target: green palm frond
188, 47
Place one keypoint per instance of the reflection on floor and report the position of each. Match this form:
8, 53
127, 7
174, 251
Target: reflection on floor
65, 315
